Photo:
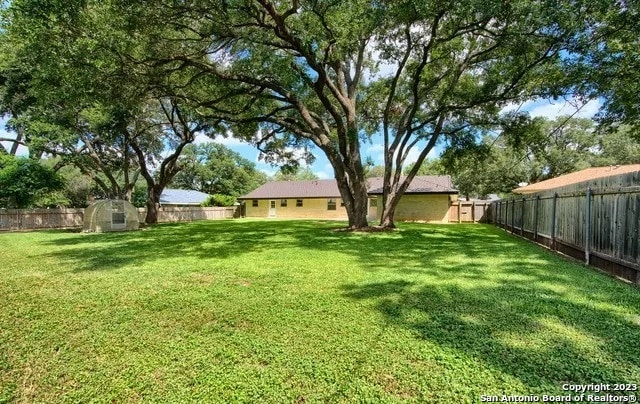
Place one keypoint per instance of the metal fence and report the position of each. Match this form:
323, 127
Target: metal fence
600, 226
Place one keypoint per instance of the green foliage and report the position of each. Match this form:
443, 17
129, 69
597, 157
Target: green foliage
295, 174
533, 150
139, 197
25, 183
219, 200
285, 311
289, 76
213, 168
428, 167
372, 171
611, 68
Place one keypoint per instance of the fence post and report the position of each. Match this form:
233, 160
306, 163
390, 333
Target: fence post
513, 216
553, 221
587, 228
522, 217
535, 218
506, 216
473, 212
459, 211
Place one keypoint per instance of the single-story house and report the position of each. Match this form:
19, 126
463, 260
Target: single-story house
182, 197
427, 199
587, 178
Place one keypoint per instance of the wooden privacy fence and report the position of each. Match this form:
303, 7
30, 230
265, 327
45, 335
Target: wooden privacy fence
189, 214
28, 219
469, 211
33, 219
599, 226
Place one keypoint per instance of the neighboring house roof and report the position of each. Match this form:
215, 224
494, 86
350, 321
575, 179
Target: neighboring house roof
329, 188
421, 184
182, 197
577, 177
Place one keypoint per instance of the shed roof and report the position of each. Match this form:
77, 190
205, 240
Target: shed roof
182, 197
329, 188
577, 177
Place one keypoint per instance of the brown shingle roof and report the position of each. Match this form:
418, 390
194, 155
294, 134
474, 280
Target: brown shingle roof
329, 188
295, 189
577, 177
421, 184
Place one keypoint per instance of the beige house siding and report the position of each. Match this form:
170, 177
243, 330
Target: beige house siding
429, 208
432, 208
312, 208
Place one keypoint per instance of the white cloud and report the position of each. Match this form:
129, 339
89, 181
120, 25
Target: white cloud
414, 153
376, 152
551, 109
511, 107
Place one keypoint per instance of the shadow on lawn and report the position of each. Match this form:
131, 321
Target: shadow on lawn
418, 249
206, 240
519, 328
471, 288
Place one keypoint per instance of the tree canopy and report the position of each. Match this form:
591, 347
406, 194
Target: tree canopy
540, 150
215, 169
70, 89
25, 183
292, 75
333, 73
295, 174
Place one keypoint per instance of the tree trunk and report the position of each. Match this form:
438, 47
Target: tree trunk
355, 198
358, 211
153, 203
387, 219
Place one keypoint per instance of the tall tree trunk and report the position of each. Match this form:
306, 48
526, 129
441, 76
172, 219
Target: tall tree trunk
355, 197
387, 219
352, 185
153, 203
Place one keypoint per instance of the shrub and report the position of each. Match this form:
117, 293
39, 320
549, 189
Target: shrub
219, 200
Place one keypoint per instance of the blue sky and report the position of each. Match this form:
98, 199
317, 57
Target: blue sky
323, 169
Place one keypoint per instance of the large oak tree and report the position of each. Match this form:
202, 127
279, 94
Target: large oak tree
334, 73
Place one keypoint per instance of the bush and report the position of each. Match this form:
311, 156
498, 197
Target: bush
219, 200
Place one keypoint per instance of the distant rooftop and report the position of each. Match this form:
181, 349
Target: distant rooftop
182, 197
329, 188
421, 184
577, 177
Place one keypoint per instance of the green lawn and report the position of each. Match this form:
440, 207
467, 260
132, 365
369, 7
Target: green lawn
292, 311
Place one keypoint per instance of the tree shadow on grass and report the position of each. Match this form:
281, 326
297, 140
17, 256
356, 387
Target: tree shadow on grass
533, 333
471, 288
204, 240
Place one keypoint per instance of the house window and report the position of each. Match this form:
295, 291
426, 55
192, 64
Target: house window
341, 203
373, 202
298, 203
283, 203
331, 204
254, 203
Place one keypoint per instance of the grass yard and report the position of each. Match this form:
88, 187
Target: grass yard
291, 311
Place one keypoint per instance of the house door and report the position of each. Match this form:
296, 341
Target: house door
272, 208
